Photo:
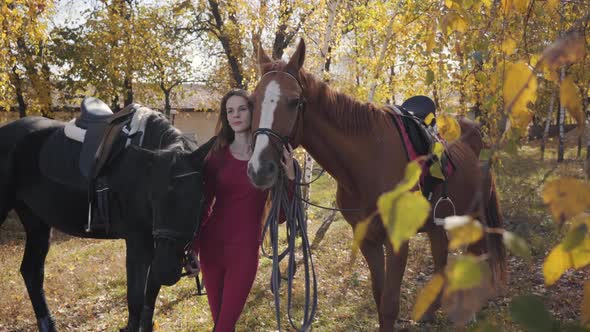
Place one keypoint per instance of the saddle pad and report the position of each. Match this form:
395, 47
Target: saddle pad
59, 161
417, 142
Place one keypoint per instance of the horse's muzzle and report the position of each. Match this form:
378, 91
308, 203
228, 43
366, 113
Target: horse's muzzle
266, 176
167, 264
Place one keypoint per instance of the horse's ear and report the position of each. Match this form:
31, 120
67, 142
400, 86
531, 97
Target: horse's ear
297, 59
262, 58
199, 154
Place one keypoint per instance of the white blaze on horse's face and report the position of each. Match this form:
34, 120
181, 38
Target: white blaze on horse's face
272, 95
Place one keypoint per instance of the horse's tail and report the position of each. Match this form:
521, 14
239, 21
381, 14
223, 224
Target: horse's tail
6, 185
495, 244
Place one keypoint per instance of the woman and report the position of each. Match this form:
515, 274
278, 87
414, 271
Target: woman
229, 239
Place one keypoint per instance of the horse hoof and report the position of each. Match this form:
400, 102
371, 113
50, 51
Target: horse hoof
46, 324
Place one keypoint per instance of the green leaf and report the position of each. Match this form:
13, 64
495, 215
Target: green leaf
360, 230
530, 312
403, 212
464, 273
575, 237
516, 244
428, 295
403, 216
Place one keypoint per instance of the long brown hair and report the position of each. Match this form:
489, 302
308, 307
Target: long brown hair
225, 134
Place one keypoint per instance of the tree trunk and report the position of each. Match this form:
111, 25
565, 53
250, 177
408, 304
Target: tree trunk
22, 105
128, 91
548, 123
167, 107
225, 40
560, 148
323, 229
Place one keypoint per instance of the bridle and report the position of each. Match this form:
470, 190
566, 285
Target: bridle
300, 107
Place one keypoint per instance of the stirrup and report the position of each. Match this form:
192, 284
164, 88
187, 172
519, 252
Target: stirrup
441, 221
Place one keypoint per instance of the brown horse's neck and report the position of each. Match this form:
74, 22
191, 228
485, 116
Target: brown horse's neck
341, 133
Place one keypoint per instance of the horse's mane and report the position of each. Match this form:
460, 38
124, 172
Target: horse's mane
347, 113
161, 135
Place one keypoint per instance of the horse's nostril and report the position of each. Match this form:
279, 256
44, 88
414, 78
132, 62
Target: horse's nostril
271, 168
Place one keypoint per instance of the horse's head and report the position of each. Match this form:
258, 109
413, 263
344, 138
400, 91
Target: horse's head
277, 119
176, 198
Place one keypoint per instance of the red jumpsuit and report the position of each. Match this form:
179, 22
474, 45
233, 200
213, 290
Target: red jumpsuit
230, 236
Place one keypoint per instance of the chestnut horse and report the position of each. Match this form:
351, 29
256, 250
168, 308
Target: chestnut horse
359, 145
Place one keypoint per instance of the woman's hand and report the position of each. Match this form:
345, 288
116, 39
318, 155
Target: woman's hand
287, 162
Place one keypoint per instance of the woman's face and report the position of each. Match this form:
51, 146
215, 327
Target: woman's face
238, 115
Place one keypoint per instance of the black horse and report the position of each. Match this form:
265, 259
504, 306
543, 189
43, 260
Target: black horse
156, 189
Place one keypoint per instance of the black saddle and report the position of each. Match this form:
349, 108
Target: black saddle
103, 127
412, 113
93, 111
411, 116
81, 165
420, 107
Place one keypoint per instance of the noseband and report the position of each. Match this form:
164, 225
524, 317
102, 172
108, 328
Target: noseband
300, 108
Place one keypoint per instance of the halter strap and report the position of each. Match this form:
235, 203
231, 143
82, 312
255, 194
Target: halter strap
286, 73
300, 108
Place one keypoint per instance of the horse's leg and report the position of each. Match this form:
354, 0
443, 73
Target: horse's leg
439, 246
33, 265
394, 273
137, 262
151, 294
373, 253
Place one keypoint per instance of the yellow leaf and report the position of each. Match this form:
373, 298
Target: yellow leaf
508, 46
428, 119
586, 304
571, 100
456, 23
556, 263
463, 234
438, 149
448, 127
487, 3
436, 171
464, 273
520, 89
566, 197
580, 255
449, 3
550, 74
427, 296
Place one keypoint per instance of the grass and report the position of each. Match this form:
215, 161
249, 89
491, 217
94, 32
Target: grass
85, 279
